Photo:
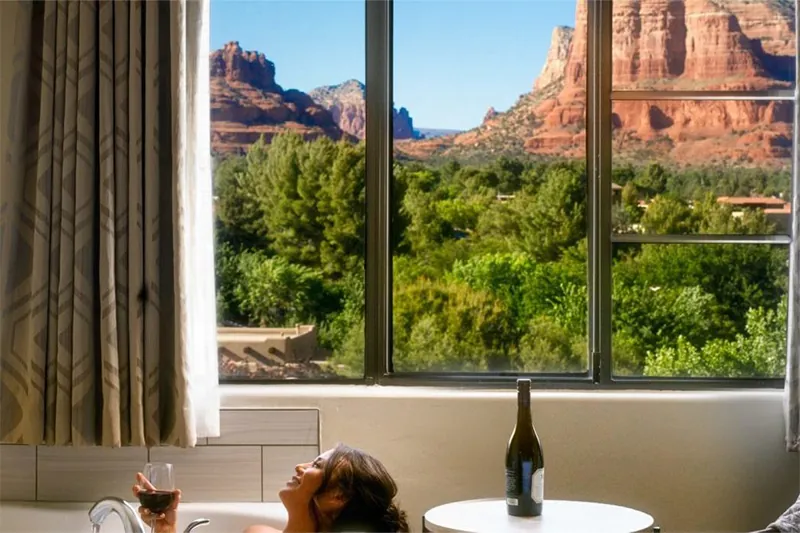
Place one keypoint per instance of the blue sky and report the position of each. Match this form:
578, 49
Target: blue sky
453, 58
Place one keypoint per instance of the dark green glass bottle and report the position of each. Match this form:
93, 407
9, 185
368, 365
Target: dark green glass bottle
524, 460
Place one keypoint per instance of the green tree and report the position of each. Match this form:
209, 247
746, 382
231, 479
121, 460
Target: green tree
653, 179
548, 346
288, 202
426, 228
648, 316
759, 352
504, 275
342, 202
472, 329
557, 219
668, 216
271, 292
740, 277
238, 210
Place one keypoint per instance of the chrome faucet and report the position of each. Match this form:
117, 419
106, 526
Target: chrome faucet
130, 519
111, 504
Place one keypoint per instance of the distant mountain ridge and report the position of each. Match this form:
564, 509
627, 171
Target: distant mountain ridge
247, 103
429, 133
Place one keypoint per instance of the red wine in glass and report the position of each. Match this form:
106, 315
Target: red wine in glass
156, 501
162, 479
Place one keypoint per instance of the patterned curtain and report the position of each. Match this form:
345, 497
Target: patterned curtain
106, 336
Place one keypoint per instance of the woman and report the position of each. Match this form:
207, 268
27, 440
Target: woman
344, 489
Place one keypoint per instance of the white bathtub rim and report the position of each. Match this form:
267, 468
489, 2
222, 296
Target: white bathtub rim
22, 515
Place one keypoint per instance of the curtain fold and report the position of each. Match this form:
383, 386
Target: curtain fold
108, 324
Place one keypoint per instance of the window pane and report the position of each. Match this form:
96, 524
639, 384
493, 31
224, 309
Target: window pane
489, 222
677, 45
704, 310
287, 128
712, 167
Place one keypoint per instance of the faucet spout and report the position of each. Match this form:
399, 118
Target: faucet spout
102, 508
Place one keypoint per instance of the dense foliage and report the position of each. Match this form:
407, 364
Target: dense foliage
490, 262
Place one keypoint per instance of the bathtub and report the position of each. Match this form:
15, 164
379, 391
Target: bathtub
42, 517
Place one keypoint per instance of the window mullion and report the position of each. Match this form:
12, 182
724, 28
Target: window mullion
699, 238
598, 153
378, 164
770, 95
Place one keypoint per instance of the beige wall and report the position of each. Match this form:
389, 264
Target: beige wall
700, 462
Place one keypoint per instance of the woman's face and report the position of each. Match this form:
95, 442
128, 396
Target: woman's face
304, 485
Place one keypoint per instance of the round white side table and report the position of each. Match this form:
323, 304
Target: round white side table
558, 516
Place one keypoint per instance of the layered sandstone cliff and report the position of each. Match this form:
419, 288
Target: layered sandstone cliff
557, 57
347, 104
246, 103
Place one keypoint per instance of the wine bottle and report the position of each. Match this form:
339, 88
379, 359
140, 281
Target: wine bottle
524, 460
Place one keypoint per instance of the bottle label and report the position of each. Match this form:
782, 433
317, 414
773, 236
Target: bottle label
537, 485
518, 487
512, 487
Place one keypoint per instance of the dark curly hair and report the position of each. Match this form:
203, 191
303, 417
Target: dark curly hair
369, 492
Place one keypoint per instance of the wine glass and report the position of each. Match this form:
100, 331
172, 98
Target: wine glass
162, 478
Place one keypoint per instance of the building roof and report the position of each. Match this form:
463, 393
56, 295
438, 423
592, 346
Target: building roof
260, 334
785, 210
752, 201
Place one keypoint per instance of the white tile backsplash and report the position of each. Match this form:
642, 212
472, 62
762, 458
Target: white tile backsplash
215, 473
87, 474
17, 472
252, 458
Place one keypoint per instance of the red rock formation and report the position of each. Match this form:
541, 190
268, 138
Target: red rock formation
236, 65
557, 57
347, 104
665, 45
246, 103
768, 22
669, 44
688, 44
402, 124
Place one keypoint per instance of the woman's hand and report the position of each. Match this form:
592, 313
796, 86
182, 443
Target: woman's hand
165, 522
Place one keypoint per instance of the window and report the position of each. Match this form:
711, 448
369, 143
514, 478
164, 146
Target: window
288, 136
592, 194
489, 269
702, 115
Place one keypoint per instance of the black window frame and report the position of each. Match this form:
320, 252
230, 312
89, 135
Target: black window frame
599, 100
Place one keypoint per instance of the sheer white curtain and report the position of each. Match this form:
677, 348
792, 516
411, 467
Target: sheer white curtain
194, 271
792, 388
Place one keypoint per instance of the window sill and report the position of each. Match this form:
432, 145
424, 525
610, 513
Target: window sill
266, 396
